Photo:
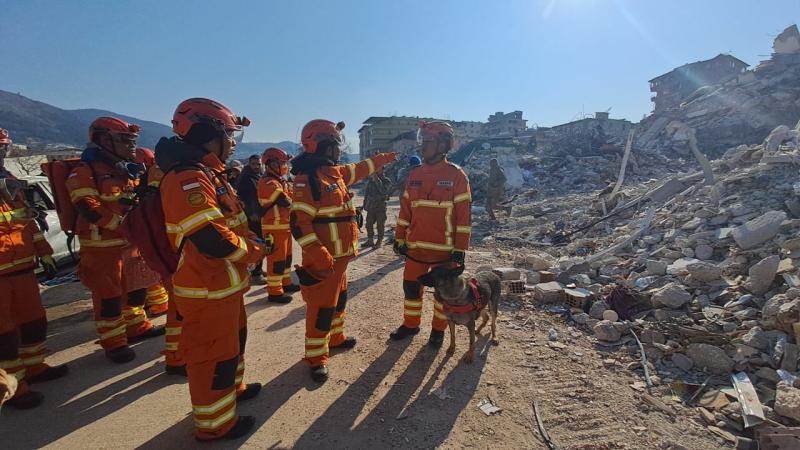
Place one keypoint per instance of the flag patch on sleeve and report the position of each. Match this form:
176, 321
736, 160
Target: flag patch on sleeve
190, 184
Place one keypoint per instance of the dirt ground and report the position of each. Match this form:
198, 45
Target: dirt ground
380, 395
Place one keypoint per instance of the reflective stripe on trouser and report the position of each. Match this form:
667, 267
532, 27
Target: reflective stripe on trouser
136, 321
157, 299
279, 263
413, 292
209, 344
23, 327
172, 333
321, 300
100, 270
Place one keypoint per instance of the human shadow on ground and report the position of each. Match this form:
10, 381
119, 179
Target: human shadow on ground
399, 419
334, 429
274, 394
39, 427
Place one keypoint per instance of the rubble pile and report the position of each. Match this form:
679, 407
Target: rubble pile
739, 111
705, 275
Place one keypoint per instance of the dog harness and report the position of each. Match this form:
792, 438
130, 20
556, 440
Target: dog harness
476, 305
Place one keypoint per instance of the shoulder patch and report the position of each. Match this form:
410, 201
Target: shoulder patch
196, 199
191, 183
414, 183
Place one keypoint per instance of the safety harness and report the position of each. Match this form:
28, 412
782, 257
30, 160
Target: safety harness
476, 305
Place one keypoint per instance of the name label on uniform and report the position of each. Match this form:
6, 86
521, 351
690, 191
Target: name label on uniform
188, 185
445, 183
415, 183
300, 184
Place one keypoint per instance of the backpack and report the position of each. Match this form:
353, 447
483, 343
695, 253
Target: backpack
57, 173
144, 226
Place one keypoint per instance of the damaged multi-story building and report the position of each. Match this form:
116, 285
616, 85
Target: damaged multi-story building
505, 124
672, 88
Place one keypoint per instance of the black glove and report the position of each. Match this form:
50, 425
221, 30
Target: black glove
457, 256
269, 244
400, 247
49, 266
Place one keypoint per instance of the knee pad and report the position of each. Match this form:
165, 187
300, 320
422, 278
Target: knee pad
342, 303
111, 307
9, 346
33, 332
288, 261
279, 266
137, 297
412, 289
324, 319
242, 340
225, 374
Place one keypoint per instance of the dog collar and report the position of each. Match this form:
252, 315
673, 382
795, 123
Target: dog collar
476, 305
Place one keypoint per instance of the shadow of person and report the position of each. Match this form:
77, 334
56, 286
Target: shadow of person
355, 287
333, 428
67, 408
274, 394
294, 316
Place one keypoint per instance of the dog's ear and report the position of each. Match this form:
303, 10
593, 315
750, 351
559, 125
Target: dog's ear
428, 279
456, 271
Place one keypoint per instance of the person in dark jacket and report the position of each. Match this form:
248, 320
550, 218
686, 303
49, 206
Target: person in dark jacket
247, 188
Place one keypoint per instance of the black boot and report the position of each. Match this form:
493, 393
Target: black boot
28, 400
319, 374
250, 392
292, 288
403, 332
52, 373
283, 299
121, 355
436, 339
349, 342
243, 426
151, 333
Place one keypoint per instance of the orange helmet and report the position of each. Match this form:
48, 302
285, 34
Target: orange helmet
5, 139
320, 130
145, 156
114, 127
436, 131
196, 111
272, 154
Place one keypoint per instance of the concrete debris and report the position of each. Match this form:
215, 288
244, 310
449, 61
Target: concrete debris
688, 237
787, 401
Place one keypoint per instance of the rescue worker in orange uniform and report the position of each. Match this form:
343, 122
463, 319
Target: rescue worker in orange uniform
159, 296
323, 223
275, 197
157, 300
102, 190
434, 225
206, 222
23, 324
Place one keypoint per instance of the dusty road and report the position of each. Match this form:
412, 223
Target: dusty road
381, 394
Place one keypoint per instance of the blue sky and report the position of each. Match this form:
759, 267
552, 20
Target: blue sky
282, 63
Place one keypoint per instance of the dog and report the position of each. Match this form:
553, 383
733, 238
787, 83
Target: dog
464, 300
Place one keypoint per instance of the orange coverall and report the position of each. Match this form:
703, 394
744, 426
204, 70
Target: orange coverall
434, 220
275, 195
326, 230
99, 192
23, 324
207, 218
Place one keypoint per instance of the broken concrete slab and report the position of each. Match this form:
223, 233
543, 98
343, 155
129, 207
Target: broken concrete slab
759, 230
710, 358
762, 274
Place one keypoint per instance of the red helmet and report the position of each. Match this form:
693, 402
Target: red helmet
274, 153
5, 139
320, 130
206, 111
145, 156
114, 127
436, 131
